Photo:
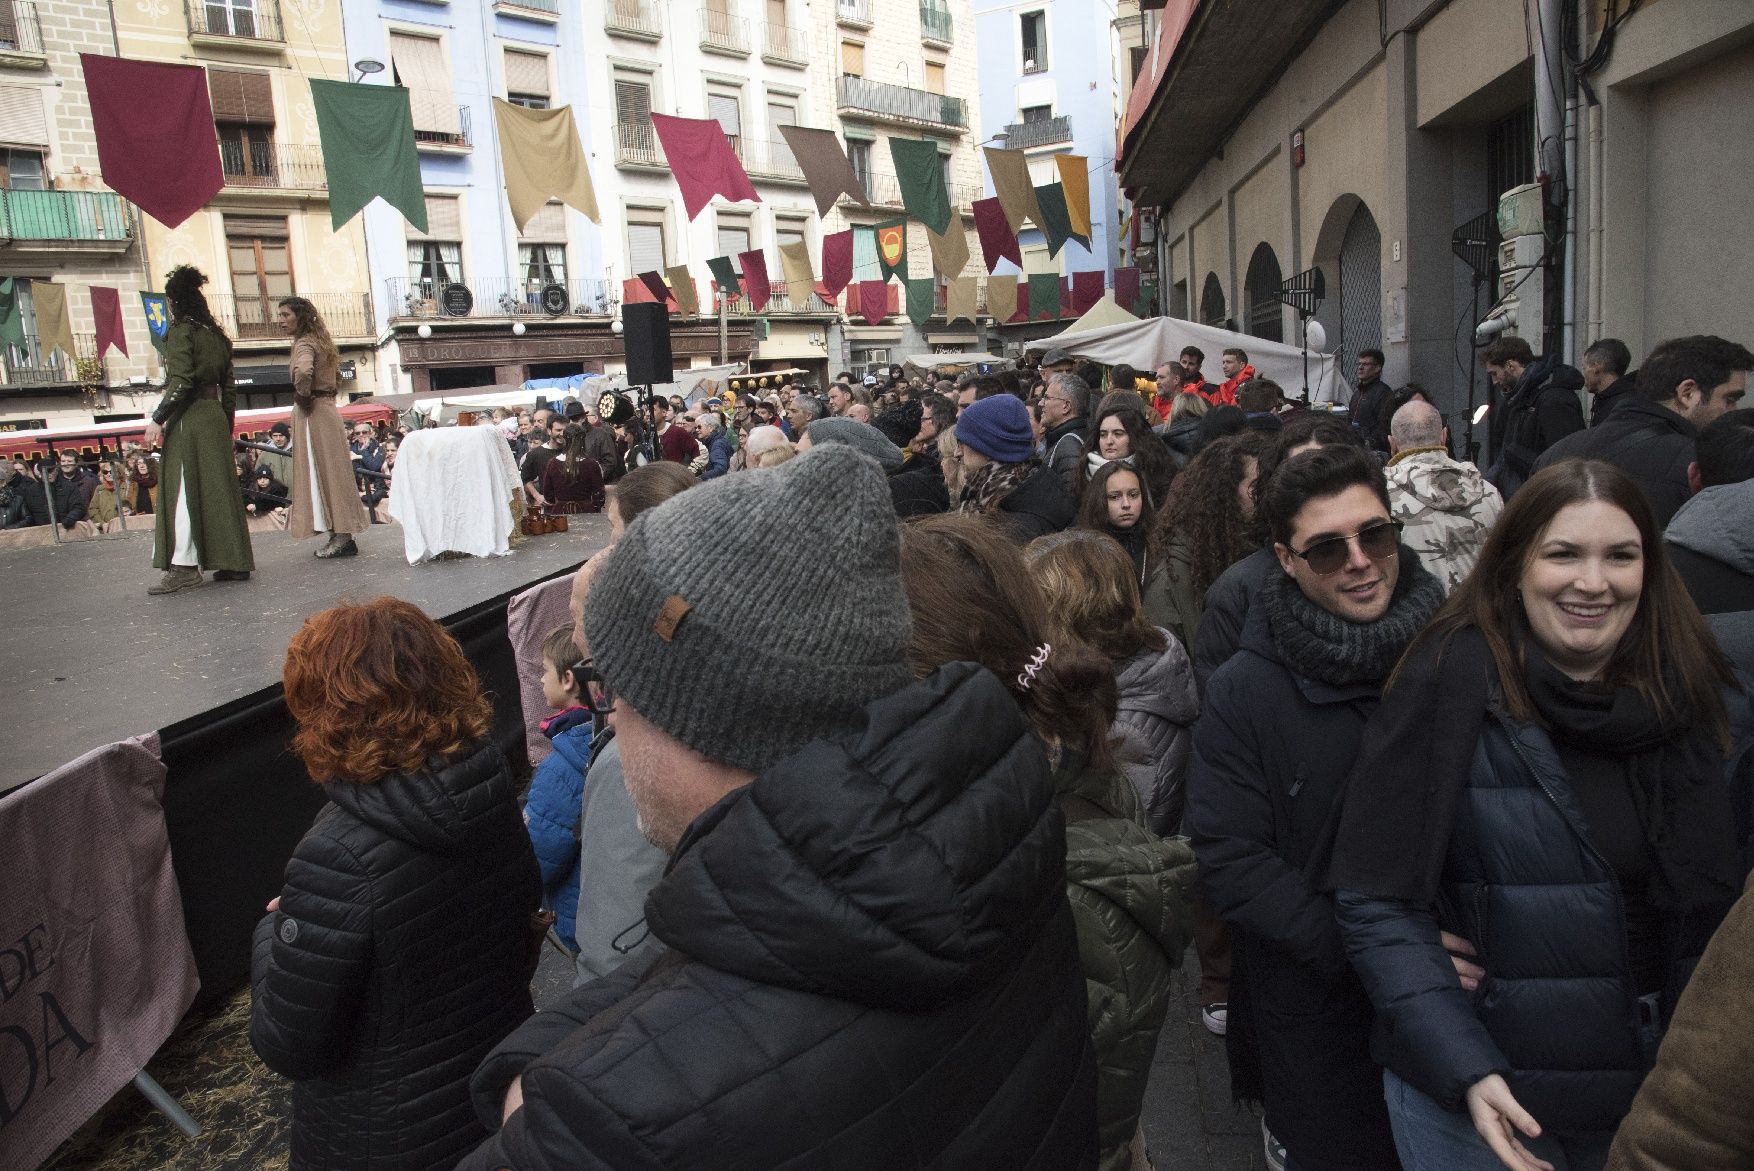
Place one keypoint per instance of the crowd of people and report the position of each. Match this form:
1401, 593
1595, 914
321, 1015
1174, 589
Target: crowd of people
905, 737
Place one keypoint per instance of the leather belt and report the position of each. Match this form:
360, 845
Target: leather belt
211, 390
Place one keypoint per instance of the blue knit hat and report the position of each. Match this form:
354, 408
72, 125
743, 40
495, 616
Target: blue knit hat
998, 428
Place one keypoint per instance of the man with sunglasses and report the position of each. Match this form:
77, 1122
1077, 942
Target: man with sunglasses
1282, 725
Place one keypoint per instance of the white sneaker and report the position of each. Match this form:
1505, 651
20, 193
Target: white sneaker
1275, 1150
1216, 1018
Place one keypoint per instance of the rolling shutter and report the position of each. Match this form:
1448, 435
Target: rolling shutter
526, 73
444, 219
420, 65
21, 116
645, 247
240, 96
547, 225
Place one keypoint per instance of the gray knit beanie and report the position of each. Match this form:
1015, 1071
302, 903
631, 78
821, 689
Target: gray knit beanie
861, 436
759, 611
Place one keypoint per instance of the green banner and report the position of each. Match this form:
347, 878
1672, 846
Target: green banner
920, 174
725, 275
1044, 295
1056, 221
367, 134
921, 300
11, 318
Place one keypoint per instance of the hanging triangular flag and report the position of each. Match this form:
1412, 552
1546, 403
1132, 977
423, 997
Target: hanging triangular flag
754, 263
949, 251
54, 330
874, 301
154, 128
1075, 184
702, 162
1086, 291
892, 247
1044, 295
962, 299
654, 283
800, 280
11, 313
998, 241
367, 134
724, 275
837, 261
1054, 222
106, 313
921, 299
827, 170
543, 160
920, 175
1002, 297
1016, 190
682, 288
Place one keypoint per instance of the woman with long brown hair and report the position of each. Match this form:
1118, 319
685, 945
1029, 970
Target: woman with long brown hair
573, 481
325, 492
397, 954
1202, 529
1557, 776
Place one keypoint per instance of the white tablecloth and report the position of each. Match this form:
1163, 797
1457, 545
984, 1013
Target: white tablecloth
453, 490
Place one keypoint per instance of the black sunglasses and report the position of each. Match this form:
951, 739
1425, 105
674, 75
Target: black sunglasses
1379, 542
593, 688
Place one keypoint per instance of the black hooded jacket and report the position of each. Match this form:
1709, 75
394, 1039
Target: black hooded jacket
397, 959
871, 964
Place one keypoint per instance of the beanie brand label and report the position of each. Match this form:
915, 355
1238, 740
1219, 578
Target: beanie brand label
670, 616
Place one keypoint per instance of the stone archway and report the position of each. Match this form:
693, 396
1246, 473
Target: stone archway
1349, 253
1262, 314
1212, 308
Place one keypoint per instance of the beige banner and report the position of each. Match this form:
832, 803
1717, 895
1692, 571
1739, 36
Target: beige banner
949, 251
54, 331
682, 288
1014, 187
543, 160
962, 299
1002, 297
1075, 185
800, 277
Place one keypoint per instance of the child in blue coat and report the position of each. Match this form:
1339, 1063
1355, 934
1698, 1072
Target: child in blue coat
556, 791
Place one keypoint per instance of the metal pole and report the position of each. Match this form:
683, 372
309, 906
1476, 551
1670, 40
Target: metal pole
49, 497
169, 1106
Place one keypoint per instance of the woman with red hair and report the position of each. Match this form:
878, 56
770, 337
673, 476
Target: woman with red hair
396, 956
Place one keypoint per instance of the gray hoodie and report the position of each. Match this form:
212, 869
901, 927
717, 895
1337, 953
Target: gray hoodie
1154, 721
1718, 523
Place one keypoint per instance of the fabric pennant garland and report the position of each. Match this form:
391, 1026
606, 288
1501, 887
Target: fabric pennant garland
892, 248
827, 170
800, 277
1044, 295
1127, 288
998, 241
1016, 190
54, 329
682, 288
920, 175
1055, 223
962, 300
724, 276
949, 251
922, 297
155, 140
1075, 184
106, 311
702, 162
654, 283
754, 264
11, 313
874, 301
1086, 291
543, 160
157, 308
635, 292
1002, 297
837, 261
367, 135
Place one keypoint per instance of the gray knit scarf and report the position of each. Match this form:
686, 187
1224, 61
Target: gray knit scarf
1325, 647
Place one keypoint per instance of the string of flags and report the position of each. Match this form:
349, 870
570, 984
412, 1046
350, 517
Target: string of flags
164, 157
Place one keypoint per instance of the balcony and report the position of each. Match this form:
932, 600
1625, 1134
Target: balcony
21, 35
853, 13
251, 318
459, 141
1034, 61
273, 165
772, 161
885, 191
83, 221
242, 24
637, 20
784, 45
878, 100
636, 145
540, 11
778, 303
34, 364
1029, 135
936, 26
500, 297
721, 32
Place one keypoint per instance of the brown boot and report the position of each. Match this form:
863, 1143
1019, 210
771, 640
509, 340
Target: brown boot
340, 545
177, 577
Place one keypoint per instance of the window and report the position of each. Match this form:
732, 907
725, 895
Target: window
22, 120
725, 104
1034, 26
944, 169
1262, 315
542, 250
859, 154
419, 64
635, 141
261, 270
734, 234
526, 79
852, 58
1136, 61
789, 231
781, 112
646, 251
435, 257
236, 18
934, 77
243, 116
24, 170
1037, 114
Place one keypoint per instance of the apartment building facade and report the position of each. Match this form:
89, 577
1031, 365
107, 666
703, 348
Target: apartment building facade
59, 223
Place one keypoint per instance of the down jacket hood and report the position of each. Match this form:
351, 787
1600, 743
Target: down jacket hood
1716, 524
1159, 683
1438, 482
447, 809
911, 862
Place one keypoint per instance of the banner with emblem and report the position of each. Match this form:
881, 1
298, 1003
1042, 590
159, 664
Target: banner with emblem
157, 308
892, 247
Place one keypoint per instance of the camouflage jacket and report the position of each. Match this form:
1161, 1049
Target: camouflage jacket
1446, 507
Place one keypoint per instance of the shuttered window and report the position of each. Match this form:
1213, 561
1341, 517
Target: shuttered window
934, 77
633, 103
549, 224
444, 219
526, 75
420, 65
852, 58
733, 235
728, 111
645, 247
21, 116
241, 97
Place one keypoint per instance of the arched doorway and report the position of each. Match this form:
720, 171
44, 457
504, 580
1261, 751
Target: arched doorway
1212, 301
1349, 253
1263, 316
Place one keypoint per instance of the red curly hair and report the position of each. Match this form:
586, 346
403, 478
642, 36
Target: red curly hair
378, 688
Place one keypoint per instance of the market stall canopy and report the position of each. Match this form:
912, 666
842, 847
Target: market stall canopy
1104, 313
1145, 344
956, 363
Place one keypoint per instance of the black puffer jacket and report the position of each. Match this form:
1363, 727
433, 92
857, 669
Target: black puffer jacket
872, 965
1648, 442
917, 487
1226, 611
1038, 506
1543, 409
397, 959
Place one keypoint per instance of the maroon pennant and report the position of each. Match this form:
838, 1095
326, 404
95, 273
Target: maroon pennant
1022, 313
154, 127
702, 161
1127, 287
754, 265
106, 311
1086, 291
837, 261
998, 241
874, 301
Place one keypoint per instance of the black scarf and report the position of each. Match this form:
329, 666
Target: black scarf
1330, 649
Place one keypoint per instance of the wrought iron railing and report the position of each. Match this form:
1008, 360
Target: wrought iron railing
84, 216
640, 18
637, 143
861, 95
771, 160
723, 31
273, 164
463, 135
853, 12
778, 302
255, 19
20, 31
552, 7
1023, 135
34, 362
885, 191
782, 42
249, 317
1034, 61
503, 297
935, 21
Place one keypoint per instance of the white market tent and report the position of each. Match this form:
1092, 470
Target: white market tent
1105, 312
1145, 344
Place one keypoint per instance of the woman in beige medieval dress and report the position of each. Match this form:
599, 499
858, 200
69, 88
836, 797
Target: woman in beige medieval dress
325, 495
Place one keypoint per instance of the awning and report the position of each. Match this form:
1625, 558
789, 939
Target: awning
790, 341
275, 375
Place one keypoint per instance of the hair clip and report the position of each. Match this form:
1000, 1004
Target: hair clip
1035, 664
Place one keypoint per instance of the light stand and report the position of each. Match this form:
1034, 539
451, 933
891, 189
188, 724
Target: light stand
1304, 292
1475, 244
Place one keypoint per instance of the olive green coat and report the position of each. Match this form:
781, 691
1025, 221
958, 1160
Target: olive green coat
198, 452
1170, 600
1129, 892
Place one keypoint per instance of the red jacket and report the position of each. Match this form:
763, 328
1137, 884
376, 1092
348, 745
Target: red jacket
1226, 394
